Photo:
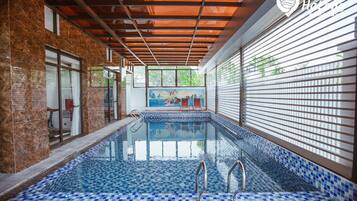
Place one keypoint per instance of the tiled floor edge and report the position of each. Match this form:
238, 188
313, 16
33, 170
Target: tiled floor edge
336, 186
8, 191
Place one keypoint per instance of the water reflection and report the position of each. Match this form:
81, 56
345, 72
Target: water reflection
163, 156
159, 141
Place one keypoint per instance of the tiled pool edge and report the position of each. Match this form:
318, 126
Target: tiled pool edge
328, 182
22, 180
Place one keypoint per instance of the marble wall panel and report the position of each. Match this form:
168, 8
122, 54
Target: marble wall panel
23, 108
7, 162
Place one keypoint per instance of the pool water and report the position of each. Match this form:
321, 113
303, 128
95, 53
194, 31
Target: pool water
162, 157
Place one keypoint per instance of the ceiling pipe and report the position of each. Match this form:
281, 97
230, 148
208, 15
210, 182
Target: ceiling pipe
94, 15
127, 11
195, 30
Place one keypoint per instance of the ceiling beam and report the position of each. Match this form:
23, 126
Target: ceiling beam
97, 19
172, 64
125, 35
170, 56
145, 3
163, 51
163, 42
161, 47
163, 54
128, 13
194, 32
152, 28
152, 17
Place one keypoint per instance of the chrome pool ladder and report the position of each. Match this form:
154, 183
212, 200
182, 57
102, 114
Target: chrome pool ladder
238, 162
139, 117
202, 166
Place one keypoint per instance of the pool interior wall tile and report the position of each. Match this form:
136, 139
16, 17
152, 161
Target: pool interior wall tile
334, 185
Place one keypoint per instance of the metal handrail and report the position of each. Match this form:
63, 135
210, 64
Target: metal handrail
202, 166
135, 128
238, 162
134, 114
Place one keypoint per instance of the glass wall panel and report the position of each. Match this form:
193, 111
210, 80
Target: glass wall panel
51, 57
70, 62
70, 95
139, 76
197, 78
183, 77
110, 95
168, 78
154, 78
228, 87
52, 104
301, 84
211, 90
49, 19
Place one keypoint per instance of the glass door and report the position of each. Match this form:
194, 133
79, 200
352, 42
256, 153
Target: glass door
63, 82
70, 97
53, 116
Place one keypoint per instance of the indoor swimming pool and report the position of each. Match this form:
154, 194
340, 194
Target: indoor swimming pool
159, 157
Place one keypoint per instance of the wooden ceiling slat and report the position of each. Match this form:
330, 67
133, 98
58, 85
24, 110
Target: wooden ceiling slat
145, 3
164, 42
163, 51
159, 54
93, 15
156, 20
128, 27
133, 22
152, 17
161, 47
135, 35
195, 30
169, 56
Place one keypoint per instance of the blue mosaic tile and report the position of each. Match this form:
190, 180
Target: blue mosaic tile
323, 179
332, 186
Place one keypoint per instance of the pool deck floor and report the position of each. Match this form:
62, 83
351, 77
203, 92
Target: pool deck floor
10, 184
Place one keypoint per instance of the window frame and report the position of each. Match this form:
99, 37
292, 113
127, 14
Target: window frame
55, 20
176, 78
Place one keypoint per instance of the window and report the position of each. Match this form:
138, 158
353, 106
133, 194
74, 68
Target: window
228, 87
168, 78
109, 54
300, 78
211, 90
197, 78
183, 78
299, 86
154, 78
172, 76
110, 95
51, 20
139, 76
